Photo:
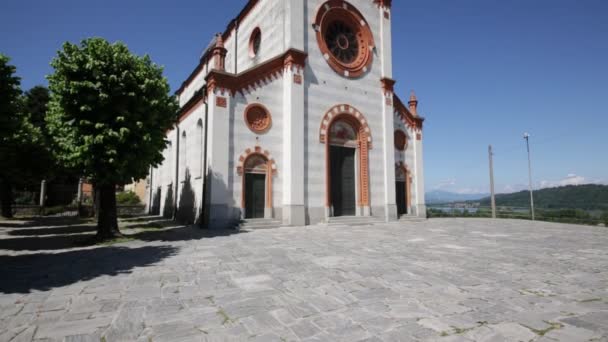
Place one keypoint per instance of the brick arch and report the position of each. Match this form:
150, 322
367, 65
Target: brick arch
344, 110
364, 143
271, 170
250, 152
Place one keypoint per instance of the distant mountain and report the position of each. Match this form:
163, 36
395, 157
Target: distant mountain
586, 197
438, 196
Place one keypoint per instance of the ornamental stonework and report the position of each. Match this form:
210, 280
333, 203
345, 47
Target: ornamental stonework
344, 38
258, 118
400, 140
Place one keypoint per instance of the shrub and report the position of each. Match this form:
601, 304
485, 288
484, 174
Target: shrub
605, 218
127, 198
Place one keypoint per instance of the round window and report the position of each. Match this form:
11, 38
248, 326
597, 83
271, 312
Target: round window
257, 118
400, 140
254, 42
344, 38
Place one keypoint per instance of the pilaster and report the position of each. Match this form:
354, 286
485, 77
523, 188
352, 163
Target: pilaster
293, 141
219, 197
420, 204
388, 149
386, 50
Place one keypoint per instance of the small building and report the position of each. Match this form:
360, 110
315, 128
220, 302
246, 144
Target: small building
291, 114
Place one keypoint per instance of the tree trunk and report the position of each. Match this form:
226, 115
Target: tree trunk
107, 222
6, 197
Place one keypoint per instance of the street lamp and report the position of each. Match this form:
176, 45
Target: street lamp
527, 138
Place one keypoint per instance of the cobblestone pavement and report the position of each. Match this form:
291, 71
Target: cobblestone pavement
439, 280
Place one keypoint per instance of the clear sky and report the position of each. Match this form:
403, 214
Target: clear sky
485, 71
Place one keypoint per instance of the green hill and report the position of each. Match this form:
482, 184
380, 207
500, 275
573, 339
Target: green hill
586, 197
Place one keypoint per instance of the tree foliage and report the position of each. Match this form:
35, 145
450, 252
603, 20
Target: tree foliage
108, 115
127, 198
20, 141
109, 111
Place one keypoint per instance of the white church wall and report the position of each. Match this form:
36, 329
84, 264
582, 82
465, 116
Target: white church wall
324, 89
191, 159
243, 138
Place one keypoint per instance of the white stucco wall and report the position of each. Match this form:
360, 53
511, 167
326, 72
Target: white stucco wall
324, 89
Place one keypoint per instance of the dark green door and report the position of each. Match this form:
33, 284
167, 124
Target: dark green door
255, 195
401, 198
343, 180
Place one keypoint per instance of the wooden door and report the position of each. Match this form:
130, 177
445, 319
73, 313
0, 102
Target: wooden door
255, 195
343, 180
401, 198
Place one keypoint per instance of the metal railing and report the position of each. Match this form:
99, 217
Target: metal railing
563, 215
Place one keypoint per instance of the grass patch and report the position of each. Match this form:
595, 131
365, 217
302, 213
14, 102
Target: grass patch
590, 300
115, 241
225, 318
542, 332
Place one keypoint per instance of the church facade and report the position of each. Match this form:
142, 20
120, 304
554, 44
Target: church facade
291, 114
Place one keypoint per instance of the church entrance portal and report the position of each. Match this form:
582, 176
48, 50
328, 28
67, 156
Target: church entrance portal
400, 191
255, 185
343, 180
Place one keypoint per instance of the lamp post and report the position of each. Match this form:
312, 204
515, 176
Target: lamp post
527, 138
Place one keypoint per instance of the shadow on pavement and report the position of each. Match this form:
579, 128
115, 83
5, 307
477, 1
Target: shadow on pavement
184, 233
75, 229
38, 221
44, 271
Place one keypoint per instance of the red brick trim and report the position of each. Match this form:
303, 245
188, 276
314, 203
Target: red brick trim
359, 123
249, 120
271, 170
400, 140
337, 110
254, 77
404, 114
386, 4
333, 10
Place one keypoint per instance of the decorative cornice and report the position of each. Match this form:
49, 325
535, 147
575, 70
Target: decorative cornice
386, 4
292, 59
195, 101
409, 119
388, 85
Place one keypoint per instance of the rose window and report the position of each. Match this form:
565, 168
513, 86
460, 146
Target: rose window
344, 38
257, 118
342, 42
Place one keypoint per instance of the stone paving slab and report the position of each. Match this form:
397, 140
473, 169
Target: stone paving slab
437, 280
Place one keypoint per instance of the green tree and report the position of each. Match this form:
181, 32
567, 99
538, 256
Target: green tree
605, 218
36, 101
20, 140
10, 88
108, 115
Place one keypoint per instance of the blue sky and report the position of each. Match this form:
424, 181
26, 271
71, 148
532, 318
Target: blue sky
485, 71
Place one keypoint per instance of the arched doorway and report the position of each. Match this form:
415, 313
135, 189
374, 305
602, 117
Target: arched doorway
347, 137
256, 168
342, 150
402, 189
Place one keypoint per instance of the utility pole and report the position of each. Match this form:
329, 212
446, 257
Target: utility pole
493, 199
527, 138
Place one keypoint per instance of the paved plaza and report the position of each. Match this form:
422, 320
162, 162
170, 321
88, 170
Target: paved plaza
437, 280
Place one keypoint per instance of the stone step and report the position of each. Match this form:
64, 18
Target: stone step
353, 220
411, 218
259, 224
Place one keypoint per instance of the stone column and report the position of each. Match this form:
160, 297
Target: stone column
292, 170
